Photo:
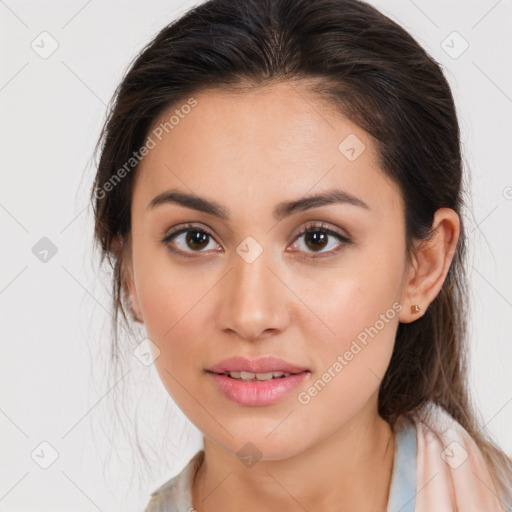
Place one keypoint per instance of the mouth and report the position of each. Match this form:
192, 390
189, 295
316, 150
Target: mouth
263, 368
260, 376
250, 389
256, 382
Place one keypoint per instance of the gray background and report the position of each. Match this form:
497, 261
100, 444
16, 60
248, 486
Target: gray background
54, 307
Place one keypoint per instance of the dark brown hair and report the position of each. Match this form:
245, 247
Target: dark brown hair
373, 71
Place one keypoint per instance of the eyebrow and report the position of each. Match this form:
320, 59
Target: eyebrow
282, 210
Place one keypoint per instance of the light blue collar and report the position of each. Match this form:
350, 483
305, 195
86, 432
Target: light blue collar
402, 493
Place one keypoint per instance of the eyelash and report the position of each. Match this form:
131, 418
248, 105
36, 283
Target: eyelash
312, 227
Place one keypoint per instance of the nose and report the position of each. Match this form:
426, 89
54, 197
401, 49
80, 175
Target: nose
254, 299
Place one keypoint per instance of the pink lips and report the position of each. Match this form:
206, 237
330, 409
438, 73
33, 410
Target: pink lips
255, 392
260, 365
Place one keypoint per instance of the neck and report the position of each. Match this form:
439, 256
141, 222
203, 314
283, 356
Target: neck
348, 471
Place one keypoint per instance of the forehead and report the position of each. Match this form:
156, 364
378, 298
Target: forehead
279, 140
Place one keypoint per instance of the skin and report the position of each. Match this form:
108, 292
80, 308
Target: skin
248, 152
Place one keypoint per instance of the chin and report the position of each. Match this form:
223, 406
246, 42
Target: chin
251, 449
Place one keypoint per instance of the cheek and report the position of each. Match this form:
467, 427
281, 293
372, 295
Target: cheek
359, 321
173, 302
353, 354
166, 293
172, 310
171, 305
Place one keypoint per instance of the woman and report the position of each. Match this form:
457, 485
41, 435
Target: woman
279, 192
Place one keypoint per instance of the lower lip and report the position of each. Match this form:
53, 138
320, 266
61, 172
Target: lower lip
257, 392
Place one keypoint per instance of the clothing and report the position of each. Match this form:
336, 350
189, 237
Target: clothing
437, 467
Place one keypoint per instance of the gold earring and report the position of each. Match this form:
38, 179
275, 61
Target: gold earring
415, 308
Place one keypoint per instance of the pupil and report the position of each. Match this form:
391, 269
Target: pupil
197, 238
316, 236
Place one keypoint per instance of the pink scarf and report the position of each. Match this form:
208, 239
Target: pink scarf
451, 474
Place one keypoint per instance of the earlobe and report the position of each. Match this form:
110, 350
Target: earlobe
130, 288
433, 258
134, 302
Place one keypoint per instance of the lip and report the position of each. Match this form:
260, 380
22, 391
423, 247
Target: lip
260, 365
257, 393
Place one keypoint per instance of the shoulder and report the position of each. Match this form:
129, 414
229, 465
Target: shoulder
451, 468
175, 495
437, 426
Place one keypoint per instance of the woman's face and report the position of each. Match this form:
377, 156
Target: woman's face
248, 283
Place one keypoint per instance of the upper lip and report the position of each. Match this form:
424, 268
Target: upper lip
260, 365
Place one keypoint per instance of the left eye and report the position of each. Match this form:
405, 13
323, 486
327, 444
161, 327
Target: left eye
316, 239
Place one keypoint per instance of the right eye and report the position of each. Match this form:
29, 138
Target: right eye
187, 236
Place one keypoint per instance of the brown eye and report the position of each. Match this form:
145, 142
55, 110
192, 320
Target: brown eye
187, 239
317, 237
196, 239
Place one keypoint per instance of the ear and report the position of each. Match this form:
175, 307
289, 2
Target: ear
432, 261
123, 251
133, 299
